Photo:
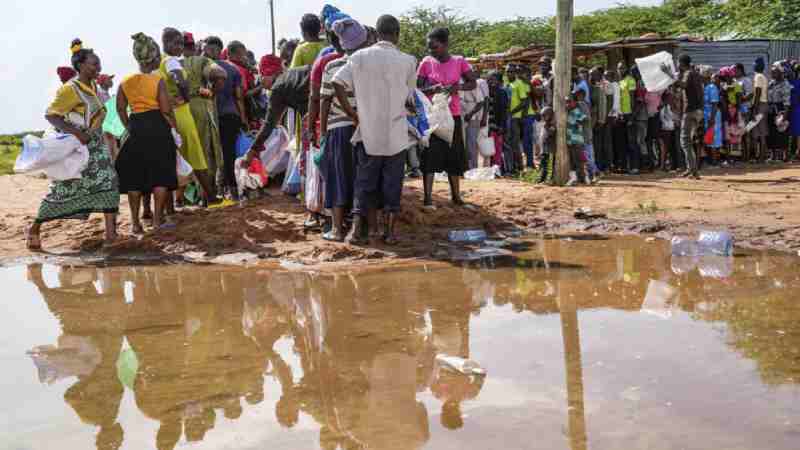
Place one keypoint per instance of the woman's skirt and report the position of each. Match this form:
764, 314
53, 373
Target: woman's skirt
204, 112
147, 160
192, 148
95, 192
443, 157
339, 168
776, 140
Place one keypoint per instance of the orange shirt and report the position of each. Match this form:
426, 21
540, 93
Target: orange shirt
142, 91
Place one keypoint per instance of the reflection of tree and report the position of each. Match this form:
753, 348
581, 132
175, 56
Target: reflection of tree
98, 317
764, 329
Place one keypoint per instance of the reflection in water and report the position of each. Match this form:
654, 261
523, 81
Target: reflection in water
202, 342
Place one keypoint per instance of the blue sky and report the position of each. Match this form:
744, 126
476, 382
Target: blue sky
36, 33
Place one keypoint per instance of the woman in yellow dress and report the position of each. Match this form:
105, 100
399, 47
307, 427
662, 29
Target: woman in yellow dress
78, 111
178, 89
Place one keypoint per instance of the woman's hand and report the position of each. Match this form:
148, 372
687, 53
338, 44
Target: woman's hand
82, 137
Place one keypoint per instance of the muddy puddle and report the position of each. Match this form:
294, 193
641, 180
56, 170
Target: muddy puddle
574, 344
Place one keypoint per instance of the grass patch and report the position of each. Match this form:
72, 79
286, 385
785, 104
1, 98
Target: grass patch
529, 176
8, 155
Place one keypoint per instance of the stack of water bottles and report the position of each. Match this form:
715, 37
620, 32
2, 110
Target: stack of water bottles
711, 253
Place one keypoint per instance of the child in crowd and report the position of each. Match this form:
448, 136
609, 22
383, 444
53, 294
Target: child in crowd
734, 131
588, 135
575, 141
667, 132
547, 137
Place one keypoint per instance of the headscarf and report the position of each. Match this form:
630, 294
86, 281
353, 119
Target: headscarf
330, 14
145, 49
66, 73
270, 65
77, 46
351, 33
188, 39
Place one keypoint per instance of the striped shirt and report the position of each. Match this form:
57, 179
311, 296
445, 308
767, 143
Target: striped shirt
337, 118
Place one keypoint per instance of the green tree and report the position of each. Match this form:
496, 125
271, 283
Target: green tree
465, 33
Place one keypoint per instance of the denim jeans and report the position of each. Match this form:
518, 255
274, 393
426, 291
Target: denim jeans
527, 139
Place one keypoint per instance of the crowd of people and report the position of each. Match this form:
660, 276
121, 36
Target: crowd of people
351, 98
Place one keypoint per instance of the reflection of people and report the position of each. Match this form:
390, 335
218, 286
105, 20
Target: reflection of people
77, 304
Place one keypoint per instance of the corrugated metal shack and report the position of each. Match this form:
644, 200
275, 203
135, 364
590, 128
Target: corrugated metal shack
725, 53
714, 53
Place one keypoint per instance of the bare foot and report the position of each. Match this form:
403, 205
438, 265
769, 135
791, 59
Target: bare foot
34, 242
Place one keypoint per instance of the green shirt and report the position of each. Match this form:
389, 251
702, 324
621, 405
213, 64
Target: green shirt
306, 53
626, 87
520, 91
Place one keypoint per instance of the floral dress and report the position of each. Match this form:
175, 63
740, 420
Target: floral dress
97, 189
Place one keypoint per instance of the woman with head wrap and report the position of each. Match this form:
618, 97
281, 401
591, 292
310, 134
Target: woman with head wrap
174, 75
76, 110
780, 100
198, 71
147, 161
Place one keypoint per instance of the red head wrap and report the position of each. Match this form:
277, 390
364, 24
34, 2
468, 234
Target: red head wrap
270, 65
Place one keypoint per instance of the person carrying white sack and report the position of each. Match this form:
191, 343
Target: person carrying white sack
77, 110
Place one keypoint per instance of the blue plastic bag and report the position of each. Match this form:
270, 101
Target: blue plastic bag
293, 183
243, 144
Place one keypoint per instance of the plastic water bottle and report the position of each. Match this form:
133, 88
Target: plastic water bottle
468, 236
684, 246
718, 243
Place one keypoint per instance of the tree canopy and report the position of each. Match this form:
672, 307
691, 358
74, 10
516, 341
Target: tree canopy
710, 18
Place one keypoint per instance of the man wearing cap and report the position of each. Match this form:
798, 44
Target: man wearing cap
383, 78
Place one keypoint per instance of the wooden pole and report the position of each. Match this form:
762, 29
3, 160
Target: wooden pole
272, 22
563, 79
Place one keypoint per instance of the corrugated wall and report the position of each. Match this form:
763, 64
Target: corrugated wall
725, 53
780, 50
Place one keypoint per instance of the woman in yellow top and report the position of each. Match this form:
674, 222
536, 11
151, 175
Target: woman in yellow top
307, 51
178, 89
147, 161
78, 111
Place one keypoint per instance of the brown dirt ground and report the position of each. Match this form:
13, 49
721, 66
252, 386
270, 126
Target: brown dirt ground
758, 204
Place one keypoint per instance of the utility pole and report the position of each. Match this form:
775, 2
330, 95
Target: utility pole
272, 22
563, 79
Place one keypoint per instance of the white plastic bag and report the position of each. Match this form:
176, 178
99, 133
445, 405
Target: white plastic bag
184, 171
654, 78
482, 174
313, 192
275, 151
441, 119
61, 156
279, 164
244, 179
485, 143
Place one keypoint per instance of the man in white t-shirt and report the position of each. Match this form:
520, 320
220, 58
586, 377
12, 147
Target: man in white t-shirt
476, 105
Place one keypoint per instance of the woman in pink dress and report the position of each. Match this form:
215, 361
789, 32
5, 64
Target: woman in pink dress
443, 72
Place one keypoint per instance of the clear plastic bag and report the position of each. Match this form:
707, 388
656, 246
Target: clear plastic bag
485, 143
313, 186
441, 119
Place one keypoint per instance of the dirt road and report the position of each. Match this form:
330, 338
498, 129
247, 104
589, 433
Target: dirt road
758, 204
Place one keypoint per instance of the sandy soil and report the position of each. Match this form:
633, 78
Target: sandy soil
758, 204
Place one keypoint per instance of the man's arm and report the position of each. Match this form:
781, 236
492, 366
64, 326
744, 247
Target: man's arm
237, 94
341, 97
277, 107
